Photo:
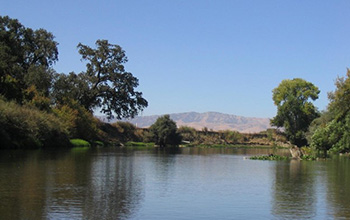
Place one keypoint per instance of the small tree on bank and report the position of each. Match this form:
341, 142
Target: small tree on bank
164, 132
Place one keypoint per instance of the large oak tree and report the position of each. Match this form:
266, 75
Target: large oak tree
105, 84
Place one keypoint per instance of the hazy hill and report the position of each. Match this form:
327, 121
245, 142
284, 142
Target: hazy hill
211, 120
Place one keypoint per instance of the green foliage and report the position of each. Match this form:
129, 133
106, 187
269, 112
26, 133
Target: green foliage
78, 121
308, 153
164, 132
188, 133
37, 99
127, 131
27, 127
232, 137
110, 87
41, 78
23, 54
339, 104
325, 117
26, 76
71, 87
269, 157
294, 110
331, 132
138, 144
80, 143
308, 157
325, 137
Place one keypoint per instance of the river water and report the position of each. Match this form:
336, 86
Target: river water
185, 183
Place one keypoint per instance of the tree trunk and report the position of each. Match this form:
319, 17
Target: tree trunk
296, 152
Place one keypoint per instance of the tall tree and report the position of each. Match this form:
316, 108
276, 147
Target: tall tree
295, 111
23, 50
110, 87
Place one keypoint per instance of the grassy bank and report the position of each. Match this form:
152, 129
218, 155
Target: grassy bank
80, 143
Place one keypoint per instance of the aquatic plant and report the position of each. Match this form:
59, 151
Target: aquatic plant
269, 157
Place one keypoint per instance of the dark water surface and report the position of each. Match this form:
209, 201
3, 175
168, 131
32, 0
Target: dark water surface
187, 183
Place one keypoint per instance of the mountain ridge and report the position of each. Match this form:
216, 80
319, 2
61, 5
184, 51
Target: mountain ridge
212, 120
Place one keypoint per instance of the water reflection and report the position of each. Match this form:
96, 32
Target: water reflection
294, 190
116, 187
338, 187
186, 183
68, 185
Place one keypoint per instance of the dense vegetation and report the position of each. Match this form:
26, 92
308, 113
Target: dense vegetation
42, 108
164, 132
331, 132
323, 132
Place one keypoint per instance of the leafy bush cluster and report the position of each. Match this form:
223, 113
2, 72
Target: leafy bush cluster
324, 132
330, 132
25, 126
164, 132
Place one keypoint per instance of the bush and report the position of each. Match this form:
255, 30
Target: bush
27, 127
127, 131
77, 120
164, 132
80, 143
188, 133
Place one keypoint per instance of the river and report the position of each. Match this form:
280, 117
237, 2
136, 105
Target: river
184, 183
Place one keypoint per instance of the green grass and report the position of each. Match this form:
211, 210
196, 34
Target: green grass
269, 157
79, 143
138, 144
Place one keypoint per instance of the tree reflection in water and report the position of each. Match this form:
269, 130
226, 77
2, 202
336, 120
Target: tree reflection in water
113, 183
338, 186
69, 185
294, 190
116, 188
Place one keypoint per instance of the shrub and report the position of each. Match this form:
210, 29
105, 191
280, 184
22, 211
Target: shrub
188, 133
80, 143
27, 127
164, 132
127, 131
77, 120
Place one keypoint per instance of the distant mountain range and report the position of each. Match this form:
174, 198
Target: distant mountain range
212, 120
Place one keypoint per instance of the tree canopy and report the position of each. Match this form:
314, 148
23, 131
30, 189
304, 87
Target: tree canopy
333, 134
164, 132
105, 84
295, 111
29, 82
22, 50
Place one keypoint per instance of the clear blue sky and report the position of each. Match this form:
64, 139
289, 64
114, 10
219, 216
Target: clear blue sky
201, 55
